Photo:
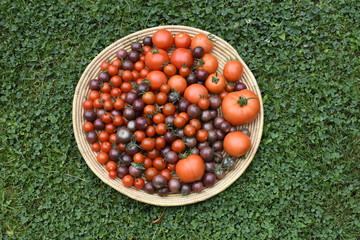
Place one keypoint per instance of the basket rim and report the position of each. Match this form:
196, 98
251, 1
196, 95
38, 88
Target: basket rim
142, 196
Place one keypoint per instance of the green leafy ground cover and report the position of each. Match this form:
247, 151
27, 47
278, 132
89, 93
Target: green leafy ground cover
304, 180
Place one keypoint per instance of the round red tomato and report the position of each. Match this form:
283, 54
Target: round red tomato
182, 40
209, 63
190, 169
156, 59
182, 56
215, 83
236, 143
178, 83
194, 92
201, 40
163, 39
233, 70
240, 107
156, 78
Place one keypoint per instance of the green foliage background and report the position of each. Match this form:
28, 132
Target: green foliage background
304, 180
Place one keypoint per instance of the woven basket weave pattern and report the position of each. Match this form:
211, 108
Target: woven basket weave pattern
223, 51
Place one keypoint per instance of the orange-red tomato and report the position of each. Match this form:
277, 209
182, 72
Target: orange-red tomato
128, 180
163, 39
194, 92
102, 157
156, 78
201, 40
233, 70
139, 183
182, 40
182, 56
236, 143
156, 59
170, 70
190, 169
210, 63
178, 146
215, 83
178, 83
240, 107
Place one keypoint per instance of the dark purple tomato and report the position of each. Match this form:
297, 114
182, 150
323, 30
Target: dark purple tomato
123, 135
149, 188
208, 126
90, 115
134, 56
122, 171
104, 77
220, 134
218, 146
209, 166
169, 120
190, 142
213, 113
217, 121
94, 84
131, 149
205, 116
218, 157
136, 46
201, 145
185, 189
212, 137
197, 186
135, 172
128, 65
115, 112
220, 173
99, 124
126, 159
148, 41
131, 126
193, 111
100, 112
122, 54
225, 126
232, 129
195, 151
201, 74
174, 185
114, 154
215, 101
91, 137
191, 79
180, 133
141, 123
143, 87
162, 192
138, 105
159, 181
171, 157
129, 113
207, 154
198, 52
183, 105
130, 97
170, 137
166, 150
239, 87
209, 179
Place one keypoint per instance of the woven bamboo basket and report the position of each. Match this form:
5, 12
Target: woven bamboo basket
223, 51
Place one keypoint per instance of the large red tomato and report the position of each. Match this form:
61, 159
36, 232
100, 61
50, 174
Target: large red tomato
236, 144
233, 70
156, 59
163, 39
178, 83
182, 40
182, 56
190, 169
194, 92
156, 78
209, 63
240, 107
201, 40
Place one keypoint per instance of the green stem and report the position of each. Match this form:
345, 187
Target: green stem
243, 101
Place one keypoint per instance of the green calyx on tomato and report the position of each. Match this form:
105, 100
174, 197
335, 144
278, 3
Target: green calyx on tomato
139, 166
243, 101
215, 79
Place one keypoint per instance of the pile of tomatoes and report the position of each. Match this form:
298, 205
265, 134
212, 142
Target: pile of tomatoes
163, 117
